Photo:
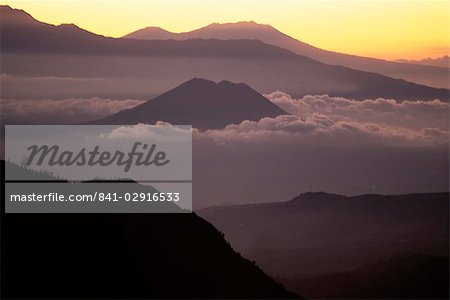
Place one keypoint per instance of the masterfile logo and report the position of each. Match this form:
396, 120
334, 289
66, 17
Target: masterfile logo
103, 169
53, 156
85, 152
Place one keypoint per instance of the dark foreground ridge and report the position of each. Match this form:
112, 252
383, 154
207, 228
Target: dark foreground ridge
89, 256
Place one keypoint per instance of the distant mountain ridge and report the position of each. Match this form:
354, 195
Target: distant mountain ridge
21, 33
317, 233
201, 103
153, 33
430, 74
140, 68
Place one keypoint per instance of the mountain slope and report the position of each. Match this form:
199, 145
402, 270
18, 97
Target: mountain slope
123, 256
137, 68
430, 75
317, 232
21, 33
201, 103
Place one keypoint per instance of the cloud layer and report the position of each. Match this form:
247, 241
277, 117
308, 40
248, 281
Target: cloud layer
335, 144
411, 114
339, 121
160, 132
67, 111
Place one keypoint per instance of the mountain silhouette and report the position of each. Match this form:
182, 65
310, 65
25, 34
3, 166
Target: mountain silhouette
412, 71
139, 68
201, 103
21, 33
154, 33
123, 256
317, 233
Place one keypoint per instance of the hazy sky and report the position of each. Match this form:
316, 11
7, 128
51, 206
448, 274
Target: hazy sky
385, 29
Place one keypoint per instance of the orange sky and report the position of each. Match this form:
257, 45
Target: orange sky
383, 28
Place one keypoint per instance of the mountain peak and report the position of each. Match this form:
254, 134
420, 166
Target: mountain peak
156, 29
14, 16
226, 82
202, 103
238, 24
198, 80
69, 26
156, 33
236, 28
251, 22
221, 31
199, 83
195, 83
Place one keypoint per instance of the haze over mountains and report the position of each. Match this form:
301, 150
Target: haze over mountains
391, 146
433, 74
321, 234
371, 135
58, 62
201, 103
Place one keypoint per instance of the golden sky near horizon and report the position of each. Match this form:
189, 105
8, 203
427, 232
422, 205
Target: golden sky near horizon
383, 29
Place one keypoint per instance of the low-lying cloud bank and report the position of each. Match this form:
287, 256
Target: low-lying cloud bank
319, 119
339, 121
411, 114
337, 145
67, 111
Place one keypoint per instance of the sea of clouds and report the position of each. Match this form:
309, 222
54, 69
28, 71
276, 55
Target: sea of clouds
66, 111
335, 144
334, 120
